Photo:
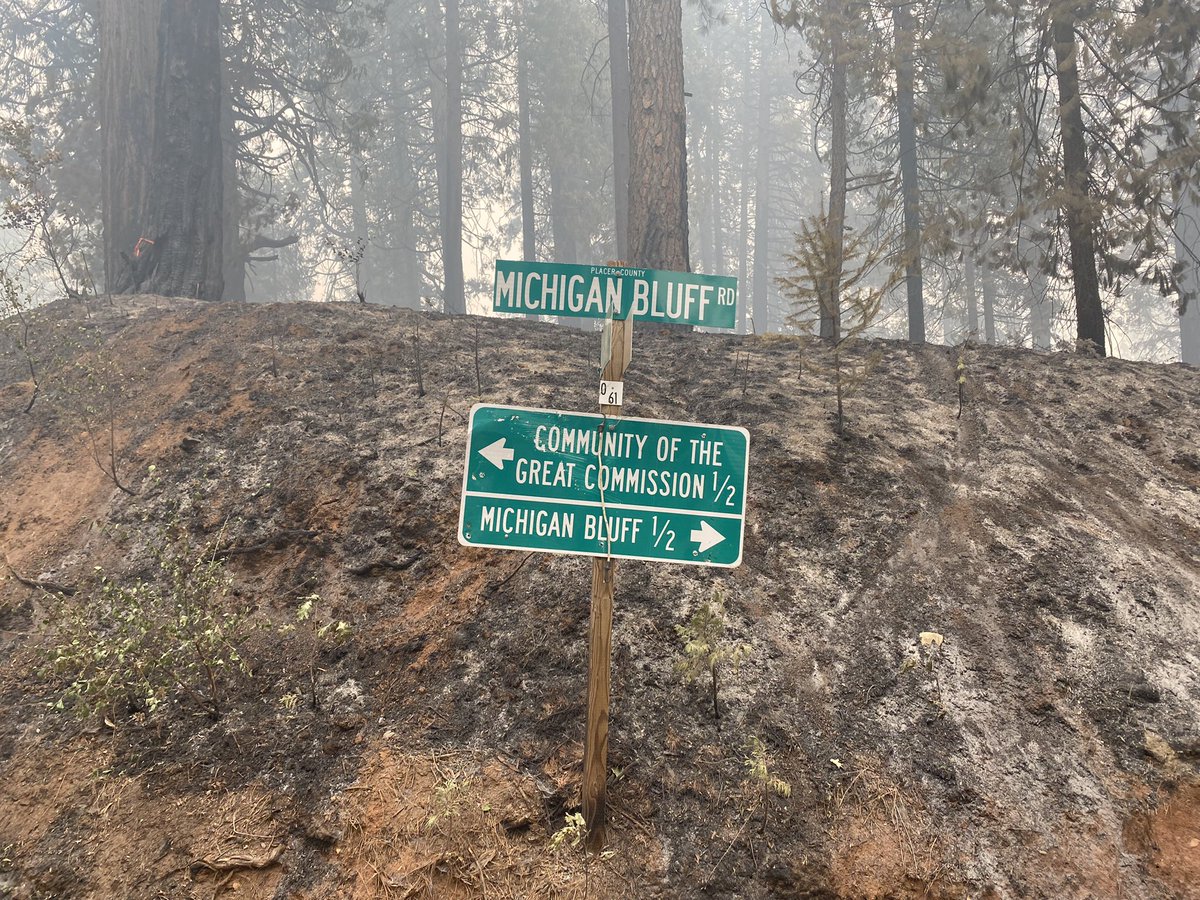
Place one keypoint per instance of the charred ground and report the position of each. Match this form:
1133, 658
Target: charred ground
1050, 535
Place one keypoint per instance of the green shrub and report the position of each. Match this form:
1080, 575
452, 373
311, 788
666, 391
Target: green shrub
705, 650
139, 644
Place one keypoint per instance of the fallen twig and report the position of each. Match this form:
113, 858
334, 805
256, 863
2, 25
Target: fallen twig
237, 860
396, 565
272, 543
46, 585
512, 574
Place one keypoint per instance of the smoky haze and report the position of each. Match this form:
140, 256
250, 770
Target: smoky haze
929, 172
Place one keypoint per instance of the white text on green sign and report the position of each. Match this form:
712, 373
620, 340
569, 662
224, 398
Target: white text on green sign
649, 295
581, 483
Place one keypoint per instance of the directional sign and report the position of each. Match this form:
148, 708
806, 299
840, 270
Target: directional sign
649, 295
564, 482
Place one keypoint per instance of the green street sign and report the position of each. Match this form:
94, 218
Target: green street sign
649, 295
563, 482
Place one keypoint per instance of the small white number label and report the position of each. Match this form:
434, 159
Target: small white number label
611, 392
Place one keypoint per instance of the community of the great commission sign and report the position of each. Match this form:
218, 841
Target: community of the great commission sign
651, 295
538, 479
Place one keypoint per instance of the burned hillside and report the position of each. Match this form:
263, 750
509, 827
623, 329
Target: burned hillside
971, 638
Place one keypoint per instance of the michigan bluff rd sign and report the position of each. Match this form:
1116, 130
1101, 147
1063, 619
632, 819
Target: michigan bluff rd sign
564, 482
648, 295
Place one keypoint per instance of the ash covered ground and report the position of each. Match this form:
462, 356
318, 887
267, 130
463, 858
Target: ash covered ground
1049, 747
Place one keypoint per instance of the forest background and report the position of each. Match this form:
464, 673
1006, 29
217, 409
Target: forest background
1015, 173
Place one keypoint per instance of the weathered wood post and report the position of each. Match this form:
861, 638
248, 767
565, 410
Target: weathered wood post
616, 350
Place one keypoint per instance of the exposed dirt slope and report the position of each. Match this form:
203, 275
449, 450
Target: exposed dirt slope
1051, 536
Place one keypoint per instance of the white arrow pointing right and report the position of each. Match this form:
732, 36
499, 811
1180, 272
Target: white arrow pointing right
706, 536
497, 454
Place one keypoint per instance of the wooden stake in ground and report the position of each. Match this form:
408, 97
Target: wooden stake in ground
617, 348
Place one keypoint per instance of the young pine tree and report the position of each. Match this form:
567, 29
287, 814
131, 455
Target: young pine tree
860, 274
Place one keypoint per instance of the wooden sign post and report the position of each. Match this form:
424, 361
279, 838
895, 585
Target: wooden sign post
616, 350
500, 509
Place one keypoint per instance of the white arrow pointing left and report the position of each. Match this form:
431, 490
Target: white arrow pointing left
496, 453
706, 536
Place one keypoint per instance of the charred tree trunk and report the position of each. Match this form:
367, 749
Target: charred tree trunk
160, 110
902, 23
658, 215
618, 68
1077, 206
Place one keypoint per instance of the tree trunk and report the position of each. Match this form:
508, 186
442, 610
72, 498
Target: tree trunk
450, 191
658, 216
1041, 310
406, 261
233, 258
907, 133
714, 151
762, 183
561, 209
989, 305
1189, 324
1187, 232
703, 185
1077, 206
160, 112
525, 149
618, 68
1187, 253
562, 222
831, 304
361, 237
743, 246
972, 298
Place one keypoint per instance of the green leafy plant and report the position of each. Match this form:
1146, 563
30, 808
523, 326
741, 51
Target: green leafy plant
758, 768
759, 774
338, 628
448, 798
140, 643
705, 650
571, 834
311, 632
